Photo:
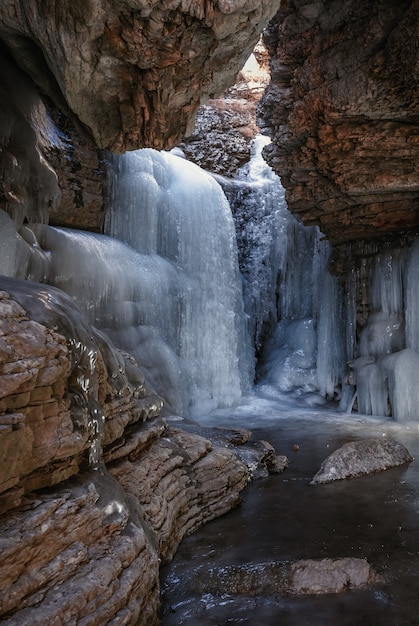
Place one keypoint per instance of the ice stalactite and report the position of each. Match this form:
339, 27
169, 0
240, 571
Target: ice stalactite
387, 364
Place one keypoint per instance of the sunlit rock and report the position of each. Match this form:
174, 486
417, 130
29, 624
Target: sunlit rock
79, 553
330, 575
225, 126
359, 458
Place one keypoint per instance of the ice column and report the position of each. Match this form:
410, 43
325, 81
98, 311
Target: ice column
387, 367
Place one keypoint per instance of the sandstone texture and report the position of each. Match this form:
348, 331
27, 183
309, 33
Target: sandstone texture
50, 168
342, 112
359, 458
133, 72
96, 490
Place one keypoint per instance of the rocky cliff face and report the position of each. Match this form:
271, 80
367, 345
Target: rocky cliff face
133, 73
96, 489
342, 111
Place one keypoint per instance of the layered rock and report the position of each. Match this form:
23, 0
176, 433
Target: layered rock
95, 488
342, 113
60, 381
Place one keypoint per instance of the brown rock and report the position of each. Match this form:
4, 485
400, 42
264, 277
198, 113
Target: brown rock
79, 555
225, 127
330, 575
309, 576
181, 482
88, 549
342, 114
133, 74
45, 415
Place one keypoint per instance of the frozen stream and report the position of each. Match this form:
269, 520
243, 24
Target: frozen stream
284, 518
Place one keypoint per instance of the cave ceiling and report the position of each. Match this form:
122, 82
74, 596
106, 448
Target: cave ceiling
133, 72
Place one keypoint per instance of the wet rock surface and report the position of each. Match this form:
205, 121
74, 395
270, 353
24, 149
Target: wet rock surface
259, 456
359, 458
95, 489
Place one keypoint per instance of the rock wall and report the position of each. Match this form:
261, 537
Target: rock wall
96, 489
133, 73
342, 112
50, 169
225, 126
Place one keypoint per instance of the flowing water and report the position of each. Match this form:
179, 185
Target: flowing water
284, 518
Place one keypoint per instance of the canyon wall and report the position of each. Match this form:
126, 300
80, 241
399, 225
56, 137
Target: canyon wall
97, 489
342, 111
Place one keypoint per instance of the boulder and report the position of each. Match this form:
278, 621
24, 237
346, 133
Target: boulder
358, 458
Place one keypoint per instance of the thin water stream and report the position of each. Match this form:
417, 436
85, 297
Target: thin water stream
284, 518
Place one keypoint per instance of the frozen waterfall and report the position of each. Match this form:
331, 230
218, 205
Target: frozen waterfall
165, 286
194, 286
176, 214
294, 304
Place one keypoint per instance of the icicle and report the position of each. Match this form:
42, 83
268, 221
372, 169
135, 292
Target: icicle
412, 298
331, 353
402, 372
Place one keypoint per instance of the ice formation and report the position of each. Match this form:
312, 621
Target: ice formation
294, 304
387, 367
164, 284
